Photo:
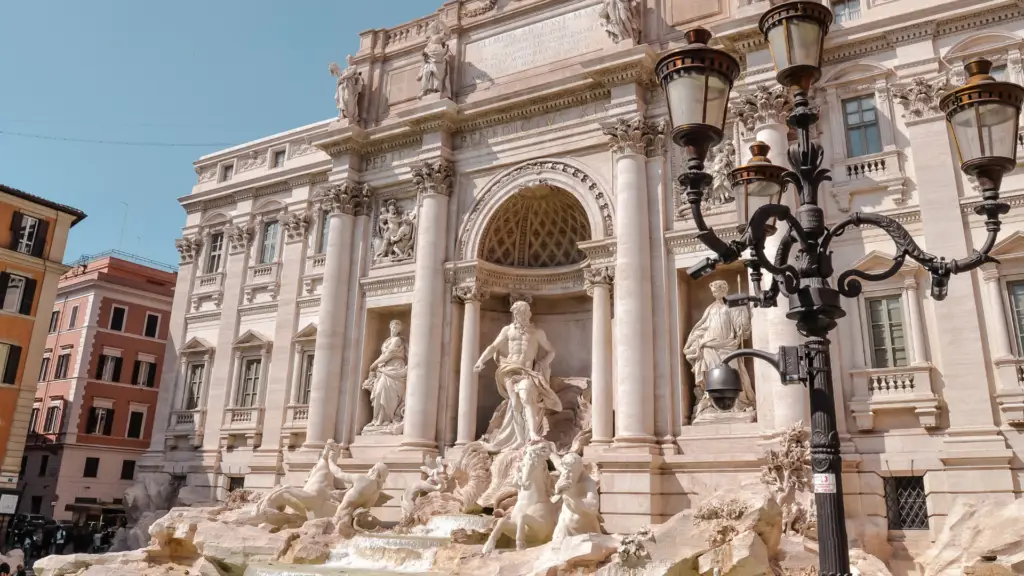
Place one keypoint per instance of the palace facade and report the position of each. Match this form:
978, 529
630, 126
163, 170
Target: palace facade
505, 150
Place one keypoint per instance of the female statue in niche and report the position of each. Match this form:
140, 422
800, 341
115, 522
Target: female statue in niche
386, 384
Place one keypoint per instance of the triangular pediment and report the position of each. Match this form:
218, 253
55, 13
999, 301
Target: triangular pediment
307, 333
250, 338
196, 345
878, 261
1010, 247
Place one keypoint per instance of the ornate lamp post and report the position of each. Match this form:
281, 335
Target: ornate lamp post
983, 116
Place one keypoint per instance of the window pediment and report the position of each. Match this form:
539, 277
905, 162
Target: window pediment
1010, 247
307, 333
876, 262
251, 339
196, 345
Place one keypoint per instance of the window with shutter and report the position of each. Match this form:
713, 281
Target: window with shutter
44, 368
52, 420
13, 289
15, 230
33, 421
108, 424
54, 321
117, 370
28, 296
152, 325
39, 242
10, 359
73, 320
26, 234
117, 317
61, 371
135, 422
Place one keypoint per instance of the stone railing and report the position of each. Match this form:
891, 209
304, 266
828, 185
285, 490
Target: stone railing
209, 283
296, 416
865, 174
187, 423
1010, 390
243, 418
907, 388
263, 273
317, 261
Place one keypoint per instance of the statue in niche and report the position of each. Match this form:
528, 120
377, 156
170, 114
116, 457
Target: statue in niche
620, 19
723, 161
434, 76
348, 89
397, 231
524, 383
721, 330
386, 384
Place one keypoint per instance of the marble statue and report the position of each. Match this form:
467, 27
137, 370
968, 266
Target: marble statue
347, 91
386, 384
434, 76
318, 497
437, 479
362, 492
576, 487
397, 234
534, 516
621, 19
719, 331
523, 381
722, 165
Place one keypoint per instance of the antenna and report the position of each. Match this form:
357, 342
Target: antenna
124, 221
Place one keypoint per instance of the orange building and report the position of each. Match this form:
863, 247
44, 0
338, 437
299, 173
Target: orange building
33, 236
98, 383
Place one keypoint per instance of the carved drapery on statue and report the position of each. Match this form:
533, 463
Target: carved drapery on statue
348, 90
386, 385
720, 330
621, 19
435, 73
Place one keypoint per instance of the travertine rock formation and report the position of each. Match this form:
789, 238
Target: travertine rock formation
975, 530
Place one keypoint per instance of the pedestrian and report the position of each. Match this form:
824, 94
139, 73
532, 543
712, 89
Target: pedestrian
97, 542
5, 569
21, 571
58, 539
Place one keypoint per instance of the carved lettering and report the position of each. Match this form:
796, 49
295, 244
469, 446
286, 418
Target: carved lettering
549, 120
533, 45
387, 159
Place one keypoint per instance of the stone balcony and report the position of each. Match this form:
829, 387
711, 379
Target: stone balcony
881, 172
313, 275
241, 427
908, 388
186, 428
262, 279
293, 432
208, 287
1010, 390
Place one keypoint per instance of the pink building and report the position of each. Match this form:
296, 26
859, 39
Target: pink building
98, 385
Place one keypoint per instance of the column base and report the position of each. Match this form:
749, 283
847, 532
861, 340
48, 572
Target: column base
642, 444
417, 445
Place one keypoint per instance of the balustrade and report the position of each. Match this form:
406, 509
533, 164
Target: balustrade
893, 389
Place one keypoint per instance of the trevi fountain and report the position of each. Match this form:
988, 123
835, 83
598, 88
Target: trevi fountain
451, 329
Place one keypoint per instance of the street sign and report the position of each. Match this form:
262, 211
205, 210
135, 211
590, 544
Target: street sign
8, 503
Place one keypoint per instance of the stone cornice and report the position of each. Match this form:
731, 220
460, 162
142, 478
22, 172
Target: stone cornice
216, 198
523, 281
387, 285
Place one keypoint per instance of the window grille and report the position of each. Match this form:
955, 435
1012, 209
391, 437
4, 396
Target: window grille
905, 503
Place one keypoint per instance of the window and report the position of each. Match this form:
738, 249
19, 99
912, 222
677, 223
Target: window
861, 119
52, 419
92, 467
194, 386
325, 230
17, 293
278, 160
144, 373
73, 320
249, 385
101, 421
307, 379
128, 470
28, 234
10, 358
135, 421
108, 368
24, 464
236, 483
1016, 291
152, 325
44, 367
37, 505
216, 253
117, 317
905, 503
888, 343
43, 463
54, 321
999, 72
226, 172
63, 362
33, 420
269, 249
845, 11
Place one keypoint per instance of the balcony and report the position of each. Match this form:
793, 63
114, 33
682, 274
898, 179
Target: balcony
294, 430
908, 388
881, 172
314, 273
187, 422
262, 278
241, 427
208, 287
1010, 390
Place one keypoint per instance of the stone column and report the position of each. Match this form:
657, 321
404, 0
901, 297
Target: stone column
761, 114
634, 424
599, 285
433, 180
916, 324
293, 398
340, 201
470, 296
999, 342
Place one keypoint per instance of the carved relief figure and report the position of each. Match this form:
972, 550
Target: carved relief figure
534, 516
386, 384
721, 330
397, 234
363, 491
347, 90
437, 479
316, 499
434, 75
621, 19
577, 488
523, 382
722, 165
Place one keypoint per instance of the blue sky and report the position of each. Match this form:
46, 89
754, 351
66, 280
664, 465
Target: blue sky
216, 72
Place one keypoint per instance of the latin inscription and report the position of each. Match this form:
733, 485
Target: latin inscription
534, 45
549, 120
379, 161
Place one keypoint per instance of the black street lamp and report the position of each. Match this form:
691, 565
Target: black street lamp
983, 117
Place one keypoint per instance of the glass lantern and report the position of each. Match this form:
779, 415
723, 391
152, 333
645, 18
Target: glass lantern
756, 183
795, 32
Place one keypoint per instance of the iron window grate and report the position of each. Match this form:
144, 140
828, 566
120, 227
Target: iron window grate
905, 503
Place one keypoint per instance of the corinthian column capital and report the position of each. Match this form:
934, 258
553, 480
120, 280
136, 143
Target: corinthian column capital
765, 105
434, 177
600, 276
470, 293
636, 136
344, 198
188, 248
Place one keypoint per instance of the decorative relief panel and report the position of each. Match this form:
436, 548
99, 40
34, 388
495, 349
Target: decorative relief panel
718, 197
254, 159
394, 231
388, 285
